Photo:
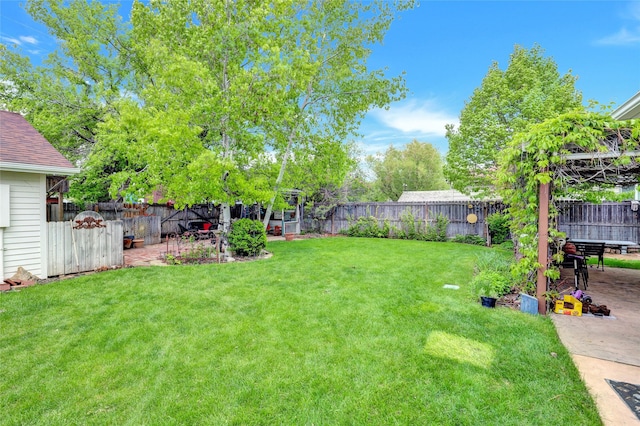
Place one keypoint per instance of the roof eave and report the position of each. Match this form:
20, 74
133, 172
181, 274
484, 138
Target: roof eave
628, 110
37, 168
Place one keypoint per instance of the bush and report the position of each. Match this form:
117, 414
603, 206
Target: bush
491, 284
369, 227
493, 275
469, 239
507, 245
409, 230
247, 237
415, 230
438, 231
498, 228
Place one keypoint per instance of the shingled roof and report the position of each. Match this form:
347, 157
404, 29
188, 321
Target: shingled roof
437, 196
22, 148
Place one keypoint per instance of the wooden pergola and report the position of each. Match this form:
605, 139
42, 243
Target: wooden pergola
595, 168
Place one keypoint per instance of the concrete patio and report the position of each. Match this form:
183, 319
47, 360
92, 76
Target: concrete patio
607, 347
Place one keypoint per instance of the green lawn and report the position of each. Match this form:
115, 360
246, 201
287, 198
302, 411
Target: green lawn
326, 332
616, 263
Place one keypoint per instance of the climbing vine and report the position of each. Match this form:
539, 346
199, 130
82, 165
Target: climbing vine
539, 156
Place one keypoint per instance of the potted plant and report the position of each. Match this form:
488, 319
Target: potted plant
489, 286
128, 241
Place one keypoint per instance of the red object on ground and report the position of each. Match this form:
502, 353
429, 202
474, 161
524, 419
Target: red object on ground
276, 230
206, 226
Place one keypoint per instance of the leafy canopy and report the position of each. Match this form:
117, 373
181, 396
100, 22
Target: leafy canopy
417, 167
215, 101
529, 91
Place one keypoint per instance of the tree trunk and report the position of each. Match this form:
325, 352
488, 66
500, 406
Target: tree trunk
283, 166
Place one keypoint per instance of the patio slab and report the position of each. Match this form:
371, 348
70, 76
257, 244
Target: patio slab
153, 254
607, 348
149, 255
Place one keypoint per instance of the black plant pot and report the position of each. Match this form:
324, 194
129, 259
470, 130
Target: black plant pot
488, 302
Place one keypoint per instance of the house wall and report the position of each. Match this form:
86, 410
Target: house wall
25, 240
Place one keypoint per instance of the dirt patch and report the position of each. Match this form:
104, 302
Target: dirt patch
264, 255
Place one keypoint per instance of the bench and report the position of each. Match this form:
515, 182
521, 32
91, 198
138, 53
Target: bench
587, 249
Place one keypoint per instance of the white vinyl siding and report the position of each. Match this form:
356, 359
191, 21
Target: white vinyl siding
24, 240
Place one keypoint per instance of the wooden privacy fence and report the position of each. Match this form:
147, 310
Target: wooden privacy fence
614, 221
464, 217
580, 220
73, 250
168, 218
147, 227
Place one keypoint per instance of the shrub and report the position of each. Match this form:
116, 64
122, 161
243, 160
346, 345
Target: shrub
369, 227
247, 237
437, 231
493, 275
409, 230
507, 245
491, 284
469, 239
498, 228
413, 230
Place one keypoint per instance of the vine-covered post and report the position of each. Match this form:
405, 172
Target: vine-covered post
543, 245
575, 154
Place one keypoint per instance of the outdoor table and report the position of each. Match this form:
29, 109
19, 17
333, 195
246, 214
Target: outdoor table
623, 245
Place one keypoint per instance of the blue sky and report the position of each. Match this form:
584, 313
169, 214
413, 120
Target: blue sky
446, 48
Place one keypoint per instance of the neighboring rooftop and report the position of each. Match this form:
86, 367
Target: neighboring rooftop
23, 149
444, 195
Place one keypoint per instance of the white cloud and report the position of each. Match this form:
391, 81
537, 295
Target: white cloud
20, 40
424, 118
28, 39
634, 9
622, 37
10, 40
625, 36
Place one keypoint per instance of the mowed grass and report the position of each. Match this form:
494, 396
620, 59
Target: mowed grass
326, 332
616, 263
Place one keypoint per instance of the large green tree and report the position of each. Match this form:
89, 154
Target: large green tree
77, 85
417, 167
529, 91
220, 97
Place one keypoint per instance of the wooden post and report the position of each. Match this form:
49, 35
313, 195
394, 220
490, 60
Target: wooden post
60, 207
543, 246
